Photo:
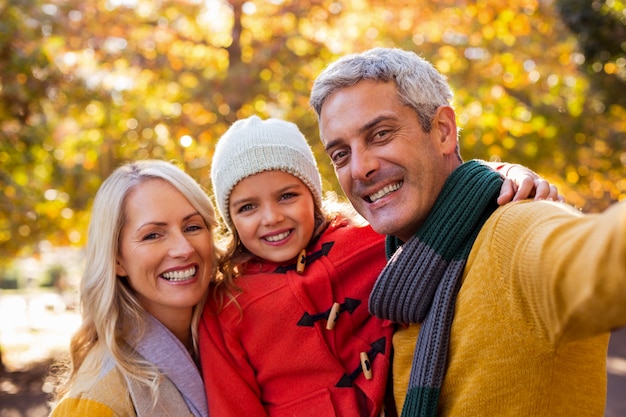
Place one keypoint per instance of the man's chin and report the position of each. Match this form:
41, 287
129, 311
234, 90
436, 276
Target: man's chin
382, 225
391, 224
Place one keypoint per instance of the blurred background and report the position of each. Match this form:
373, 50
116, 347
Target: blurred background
88, 85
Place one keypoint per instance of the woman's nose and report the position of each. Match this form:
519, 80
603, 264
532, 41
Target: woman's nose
180, 246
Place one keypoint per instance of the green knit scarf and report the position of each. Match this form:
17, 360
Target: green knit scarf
423, 276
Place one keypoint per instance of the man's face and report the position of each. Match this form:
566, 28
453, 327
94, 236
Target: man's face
390, 169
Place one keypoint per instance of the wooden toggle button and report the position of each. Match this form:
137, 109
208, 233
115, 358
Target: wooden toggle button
366, 366
301, 262
333, 316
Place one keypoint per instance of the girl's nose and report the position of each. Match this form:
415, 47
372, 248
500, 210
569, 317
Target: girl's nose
272, 215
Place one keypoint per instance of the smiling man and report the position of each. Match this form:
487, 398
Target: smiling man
500, 311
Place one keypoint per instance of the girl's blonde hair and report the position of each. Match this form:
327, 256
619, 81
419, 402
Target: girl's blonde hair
110, 309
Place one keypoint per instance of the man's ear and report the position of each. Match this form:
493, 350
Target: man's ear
444, 124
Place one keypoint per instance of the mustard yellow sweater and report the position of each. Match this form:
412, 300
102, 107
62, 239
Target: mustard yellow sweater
100, 390
543, 286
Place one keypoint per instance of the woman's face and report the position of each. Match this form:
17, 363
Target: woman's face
165, 250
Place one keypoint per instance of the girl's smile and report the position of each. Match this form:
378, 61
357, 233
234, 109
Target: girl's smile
273, 213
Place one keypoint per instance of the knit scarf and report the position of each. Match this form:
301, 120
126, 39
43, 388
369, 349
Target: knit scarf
423, 276
182, 389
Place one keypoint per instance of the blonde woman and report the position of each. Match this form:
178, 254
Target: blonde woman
151, 257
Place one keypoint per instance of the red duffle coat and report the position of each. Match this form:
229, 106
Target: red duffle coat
273, 354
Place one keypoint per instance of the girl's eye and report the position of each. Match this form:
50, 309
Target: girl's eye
245, 207
288, 196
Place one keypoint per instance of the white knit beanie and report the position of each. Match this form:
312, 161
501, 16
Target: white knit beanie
251, 146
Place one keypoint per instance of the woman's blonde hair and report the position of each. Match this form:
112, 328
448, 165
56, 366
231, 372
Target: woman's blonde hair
110, 309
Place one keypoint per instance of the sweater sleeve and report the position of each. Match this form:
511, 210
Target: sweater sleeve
567, 269
229, 379
70, 407
98, 390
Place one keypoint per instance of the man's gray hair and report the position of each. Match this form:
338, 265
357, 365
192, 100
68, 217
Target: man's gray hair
418, 83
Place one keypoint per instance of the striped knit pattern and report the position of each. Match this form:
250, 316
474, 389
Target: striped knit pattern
423, 276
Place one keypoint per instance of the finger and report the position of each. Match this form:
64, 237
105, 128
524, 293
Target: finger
526, 189
543, 190
554, 194
507, 191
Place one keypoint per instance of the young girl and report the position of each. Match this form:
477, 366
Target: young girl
289, 333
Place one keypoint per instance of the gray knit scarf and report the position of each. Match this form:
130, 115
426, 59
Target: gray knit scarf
182, 390
423, 276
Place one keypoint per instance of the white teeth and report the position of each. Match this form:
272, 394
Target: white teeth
388, 189
180, 275
276, 238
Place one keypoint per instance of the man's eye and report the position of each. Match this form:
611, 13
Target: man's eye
381, 134
339, 157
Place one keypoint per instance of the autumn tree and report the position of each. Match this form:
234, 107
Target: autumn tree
86, 86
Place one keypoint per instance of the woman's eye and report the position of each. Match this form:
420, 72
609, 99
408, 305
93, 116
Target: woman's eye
193, 228
151, 236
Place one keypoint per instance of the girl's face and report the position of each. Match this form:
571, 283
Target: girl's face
273, 213
165, 250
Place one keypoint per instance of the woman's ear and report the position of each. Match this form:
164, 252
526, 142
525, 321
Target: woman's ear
119, 269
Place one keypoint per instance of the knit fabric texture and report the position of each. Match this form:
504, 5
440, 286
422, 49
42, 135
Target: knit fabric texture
251, 146
159, 346
423, 276
100, 389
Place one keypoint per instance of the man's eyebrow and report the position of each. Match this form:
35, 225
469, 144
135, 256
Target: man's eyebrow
331, 144
367, 126
373, 123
